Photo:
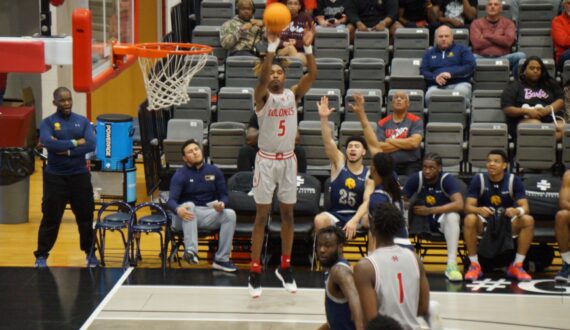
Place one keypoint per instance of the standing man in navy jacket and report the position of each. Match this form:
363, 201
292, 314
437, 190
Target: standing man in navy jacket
67, 137
448, 65
198, 198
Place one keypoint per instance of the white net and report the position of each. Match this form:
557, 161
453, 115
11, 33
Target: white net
166, 79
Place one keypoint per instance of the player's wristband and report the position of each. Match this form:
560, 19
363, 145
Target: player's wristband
521, 211
308, 50
74, 142
272, 46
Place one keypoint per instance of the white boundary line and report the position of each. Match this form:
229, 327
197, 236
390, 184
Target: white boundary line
105, 300
146, 318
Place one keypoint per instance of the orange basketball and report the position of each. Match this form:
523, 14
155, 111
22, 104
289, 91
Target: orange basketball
276, 17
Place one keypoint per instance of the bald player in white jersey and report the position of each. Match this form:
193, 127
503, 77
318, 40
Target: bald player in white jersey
275, 163
392, 281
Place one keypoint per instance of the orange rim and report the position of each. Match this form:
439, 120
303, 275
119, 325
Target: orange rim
160, 49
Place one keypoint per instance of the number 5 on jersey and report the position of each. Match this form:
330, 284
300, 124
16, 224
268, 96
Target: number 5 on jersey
281, 128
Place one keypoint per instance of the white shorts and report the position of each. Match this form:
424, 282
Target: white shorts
275, 171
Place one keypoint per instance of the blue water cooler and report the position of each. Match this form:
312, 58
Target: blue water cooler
115, 148
115, 141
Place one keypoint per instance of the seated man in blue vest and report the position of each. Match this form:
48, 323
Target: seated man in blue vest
489, 192
439, 201
198, 198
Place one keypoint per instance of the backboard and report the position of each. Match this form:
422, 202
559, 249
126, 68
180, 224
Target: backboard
95, 29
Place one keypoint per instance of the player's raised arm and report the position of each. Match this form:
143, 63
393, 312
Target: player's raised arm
307, 80
265, 72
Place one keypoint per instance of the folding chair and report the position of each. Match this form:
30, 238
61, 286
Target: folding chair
116, 221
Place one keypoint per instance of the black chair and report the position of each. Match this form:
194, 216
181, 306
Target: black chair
243, 203
147, 224
116, 221
308, 196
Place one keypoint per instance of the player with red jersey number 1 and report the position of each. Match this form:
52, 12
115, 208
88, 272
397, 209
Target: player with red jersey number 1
275, 163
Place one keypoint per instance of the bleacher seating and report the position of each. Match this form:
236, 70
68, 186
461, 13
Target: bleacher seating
294, 71
367, 73
310, 110
535, 14
486, 107
199, 106
311, 139
536, 146
535, 42
446, 139
332, 43
225, 140
484, 137
235, 104
491, 74
405, 74
208, 76
216, 12
416, 97
240, 71
330, 74
372, 107
180, 130
210, 35
372, 44
447, 106
410, 42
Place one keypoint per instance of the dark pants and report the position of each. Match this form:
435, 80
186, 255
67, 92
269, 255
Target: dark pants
408, 169
563, 58
246, 158
58, 191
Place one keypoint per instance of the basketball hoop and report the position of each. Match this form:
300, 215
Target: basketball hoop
167, 69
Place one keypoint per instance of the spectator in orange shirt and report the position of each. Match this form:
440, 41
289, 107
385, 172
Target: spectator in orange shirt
561, 35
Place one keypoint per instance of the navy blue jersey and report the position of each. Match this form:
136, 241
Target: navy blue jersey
496, 194
380, 196
338, 311
347, 191
435, 194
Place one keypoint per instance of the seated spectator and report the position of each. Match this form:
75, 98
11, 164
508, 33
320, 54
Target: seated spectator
492, 197
332, 14
561, 35
247, 153
438, 201
198, 199
242, 34
448, 65
494, 35
562, 229
292, 37
534, 98
348, 178
373, 15
416, 14
400, 134
454, 13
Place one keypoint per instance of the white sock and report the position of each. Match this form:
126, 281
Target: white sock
450, 228
474, 259
519, 258
565, 256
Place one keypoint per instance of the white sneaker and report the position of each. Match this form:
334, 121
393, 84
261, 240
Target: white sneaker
286, 277
254, 284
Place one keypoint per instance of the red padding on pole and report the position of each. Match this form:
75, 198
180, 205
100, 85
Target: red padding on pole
22, 56
82, 65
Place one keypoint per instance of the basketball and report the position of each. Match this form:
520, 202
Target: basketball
276, 17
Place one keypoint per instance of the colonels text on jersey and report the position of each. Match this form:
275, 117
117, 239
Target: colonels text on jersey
278, 123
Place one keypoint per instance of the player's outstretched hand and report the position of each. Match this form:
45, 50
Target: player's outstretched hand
358, 105
323, 106
308, 34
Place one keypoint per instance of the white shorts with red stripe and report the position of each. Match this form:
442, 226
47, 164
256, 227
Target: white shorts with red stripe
275, 170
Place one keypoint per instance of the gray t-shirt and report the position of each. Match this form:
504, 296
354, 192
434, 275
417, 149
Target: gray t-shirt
388, 129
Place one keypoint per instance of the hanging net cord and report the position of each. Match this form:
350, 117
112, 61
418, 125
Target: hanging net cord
167, 78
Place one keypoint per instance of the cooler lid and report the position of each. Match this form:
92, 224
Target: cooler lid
114, 118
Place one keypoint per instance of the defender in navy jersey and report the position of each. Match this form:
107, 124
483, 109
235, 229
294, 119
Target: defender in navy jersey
487, 193
438, 201
348, 177
341, 298
275, 164
386, 191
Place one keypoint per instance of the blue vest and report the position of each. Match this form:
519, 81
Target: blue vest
496, 195
338, 310
347, 190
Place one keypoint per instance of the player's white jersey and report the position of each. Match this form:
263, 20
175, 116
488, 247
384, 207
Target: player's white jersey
397, 284
278, 123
